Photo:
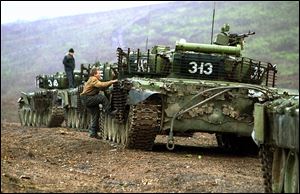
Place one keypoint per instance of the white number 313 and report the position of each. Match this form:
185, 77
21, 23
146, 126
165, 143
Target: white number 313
204, 68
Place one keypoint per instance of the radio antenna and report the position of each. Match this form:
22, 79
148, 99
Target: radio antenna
212, 25
147, 43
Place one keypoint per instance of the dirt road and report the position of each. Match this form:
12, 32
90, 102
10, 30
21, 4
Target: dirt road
64, 160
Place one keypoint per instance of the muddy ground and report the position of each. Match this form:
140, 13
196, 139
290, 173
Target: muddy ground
64, 160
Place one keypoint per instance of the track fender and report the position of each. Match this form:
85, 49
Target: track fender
136, 96
24, 97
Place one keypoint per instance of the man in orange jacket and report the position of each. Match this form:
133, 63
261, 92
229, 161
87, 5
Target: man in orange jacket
91, 98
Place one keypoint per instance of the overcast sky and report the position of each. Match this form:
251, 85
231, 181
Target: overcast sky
12, 11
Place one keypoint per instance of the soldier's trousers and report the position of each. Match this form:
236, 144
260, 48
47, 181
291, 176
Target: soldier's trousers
92, 104
70, 76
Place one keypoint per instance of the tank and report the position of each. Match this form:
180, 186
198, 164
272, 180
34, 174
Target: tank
53, 103
276, 131
191, 88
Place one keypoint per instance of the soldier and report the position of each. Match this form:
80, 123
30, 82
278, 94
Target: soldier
91, 99
69, 63
225, 29
223, 37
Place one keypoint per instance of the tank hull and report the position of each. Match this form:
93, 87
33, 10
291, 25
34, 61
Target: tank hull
277, 133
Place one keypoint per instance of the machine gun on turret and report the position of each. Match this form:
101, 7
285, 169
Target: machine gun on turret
231, 39
235, 38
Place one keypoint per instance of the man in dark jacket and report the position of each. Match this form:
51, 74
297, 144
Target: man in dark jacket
69, 63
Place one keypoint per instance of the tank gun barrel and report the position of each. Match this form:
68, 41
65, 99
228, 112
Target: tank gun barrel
208, 48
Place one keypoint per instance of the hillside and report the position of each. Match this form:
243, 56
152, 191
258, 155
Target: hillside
32, 48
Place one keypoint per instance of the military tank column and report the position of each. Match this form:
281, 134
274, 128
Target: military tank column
192, 88
164, 82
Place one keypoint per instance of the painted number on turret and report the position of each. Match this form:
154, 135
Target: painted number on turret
203, 68
142, 66
53, 83
257, 72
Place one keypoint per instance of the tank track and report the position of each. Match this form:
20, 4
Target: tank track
54, 113
270, 162
37, 116
119, 101
144, 123
101, 122
80, 107
56, 117
50, 118
82, 113
266, 155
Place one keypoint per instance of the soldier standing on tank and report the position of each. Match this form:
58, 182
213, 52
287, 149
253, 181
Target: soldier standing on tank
69, 63
223, 38
225, 29
91, 98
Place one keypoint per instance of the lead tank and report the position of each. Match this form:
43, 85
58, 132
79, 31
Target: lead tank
191, 88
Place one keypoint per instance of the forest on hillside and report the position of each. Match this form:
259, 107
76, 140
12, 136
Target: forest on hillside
32, 48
